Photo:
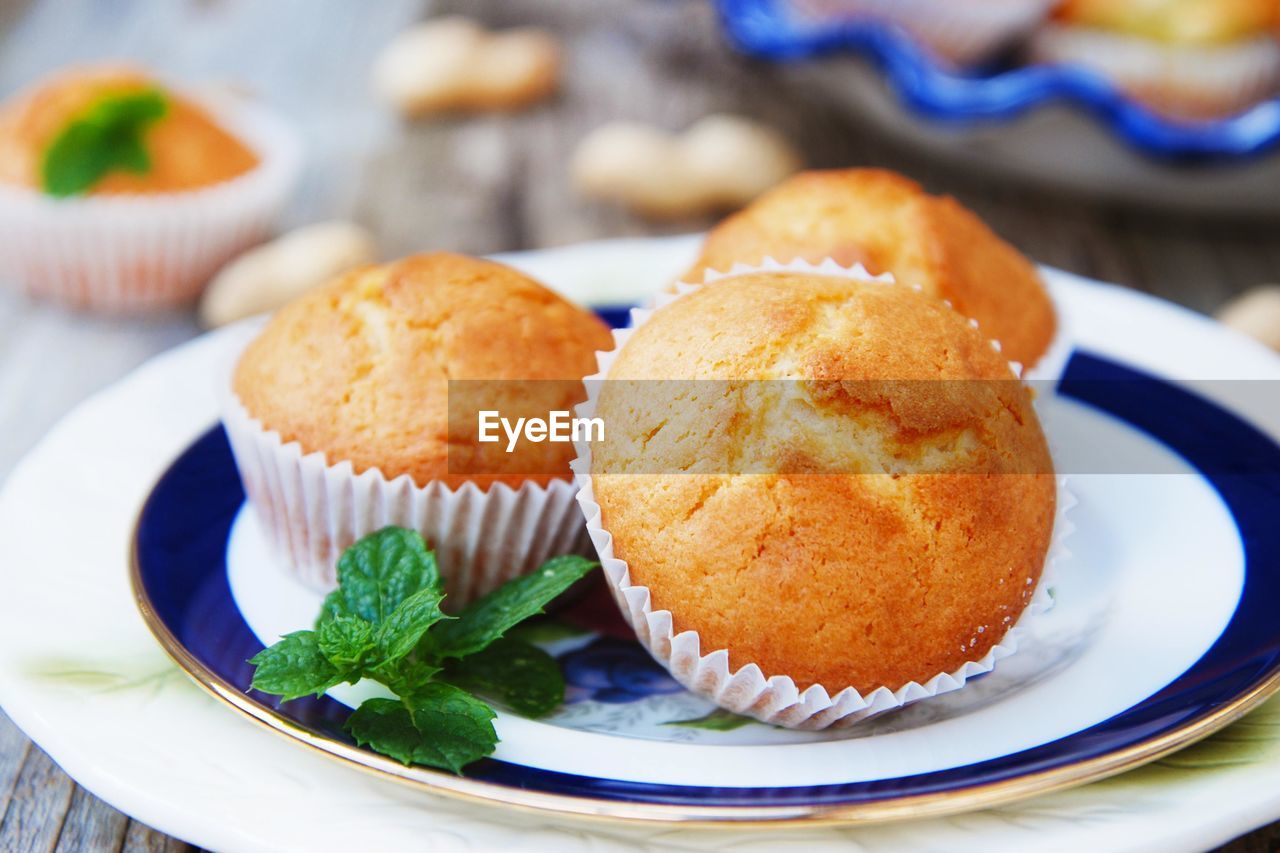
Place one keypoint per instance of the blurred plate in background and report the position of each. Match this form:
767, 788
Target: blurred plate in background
1059, 128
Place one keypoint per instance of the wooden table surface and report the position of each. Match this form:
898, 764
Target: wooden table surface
479, 185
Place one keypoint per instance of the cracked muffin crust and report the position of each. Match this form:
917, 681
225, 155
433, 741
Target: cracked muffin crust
360, 368
889, 223
878, 513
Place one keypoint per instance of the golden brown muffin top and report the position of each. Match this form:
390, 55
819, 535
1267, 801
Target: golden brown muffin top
1176, 21
888, 223
915, 548
186, 148
360, 369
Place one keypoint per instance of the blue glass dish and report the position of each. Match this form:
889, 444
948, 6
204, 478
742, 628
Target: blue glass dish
769, 29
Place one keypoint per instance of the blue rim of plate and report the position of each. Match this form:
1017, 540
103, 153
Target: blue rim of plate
767, 29
181, 587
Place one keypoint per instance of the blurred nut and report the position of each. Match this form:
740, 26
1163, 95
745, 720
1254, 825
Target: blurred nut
1256, 313
453, 64
266, 277
721, 162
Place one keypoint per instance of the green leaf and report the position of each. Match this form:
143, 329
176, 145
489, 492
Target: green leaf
385, 725
346, 641
440, 726
333, 606
487, 619
404, 627
521, 676
105, 138
456, 727
376, 575
718, 720
545, 630
405, 676
294, 667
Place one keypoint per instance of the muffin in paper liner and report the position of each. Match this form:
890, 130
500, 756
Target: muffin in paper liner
1186, 82
128, 254
310, 510
960, 33
775, 699
1046, 372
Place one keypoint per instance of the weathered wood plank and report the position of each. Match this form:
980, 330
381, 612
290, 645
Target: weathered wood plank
141, 838
39, 806
91, 825
13, 752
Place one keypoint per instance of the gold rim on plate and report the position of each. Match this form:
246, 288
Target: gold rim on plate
915, 806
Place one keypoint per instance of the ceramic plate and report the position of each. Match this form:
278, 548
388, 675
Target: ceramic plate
1058, 129
1161, 633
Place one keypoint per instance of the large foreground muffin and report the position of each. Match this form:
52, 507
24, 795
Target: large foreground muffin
881, 519
360, 369
888, 223
347, 415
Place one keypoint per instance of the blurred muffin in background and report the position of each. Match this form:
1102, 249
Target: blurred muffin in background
119, 193
1186, 59
960, 32
888, 223
114, 130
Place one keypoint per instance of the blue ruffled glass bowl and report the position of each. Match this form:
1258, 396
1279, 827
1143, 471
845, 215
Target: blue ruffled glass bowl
769, 29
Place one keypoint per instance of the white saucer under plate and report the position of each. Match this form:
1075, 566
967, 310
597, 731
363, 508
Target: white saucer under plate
80, 673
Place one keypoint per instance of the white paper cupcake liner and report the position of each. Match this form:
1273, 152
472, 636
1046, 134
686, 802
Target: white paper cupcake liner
1183, 81
311, 511
775, 699
961, 33
125, 254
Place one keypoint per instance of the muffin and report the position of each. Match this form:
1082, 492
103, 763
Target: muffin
118, 192
957, 32
854, 493
356, 408
887, 223
1186, 59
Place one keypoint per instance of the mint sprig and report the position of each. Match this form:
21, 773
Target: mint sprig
105, 138
384, 623
519, 674
488, 618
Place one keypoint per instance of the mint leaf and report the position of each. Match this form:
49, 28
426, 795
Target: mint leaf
346, 641
521, 676
405, 676
718, 720
107, 137
545, 630
404, 627
294, 667
487, 619
456, 727
333, 606
376, 575
385, 725
439, 726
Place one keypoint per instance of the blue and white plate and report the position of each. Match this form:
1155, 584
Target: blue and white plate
1163, 632
1158, 638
